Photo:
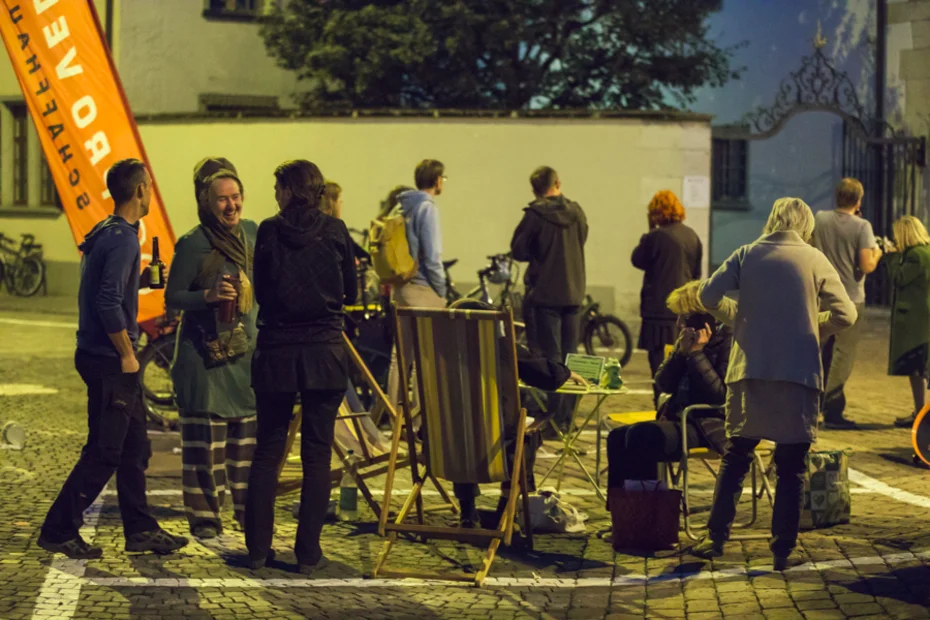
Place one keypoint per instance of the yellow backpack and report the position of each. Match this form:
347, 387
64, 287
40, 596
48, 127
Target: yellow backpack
390, 253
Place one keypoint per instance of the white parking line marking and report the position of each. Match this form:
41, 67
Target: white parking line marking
492, 492
877, 486
38, 323
500, 582
25, 389
61, 590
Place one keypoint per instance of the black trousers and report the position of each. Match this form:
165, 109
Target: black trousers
553, 333
789, 491
635, 451
117, 442
275, 410
466, 492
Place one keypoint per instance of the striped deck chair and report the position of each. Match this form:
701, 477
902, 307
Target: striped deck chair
356, 431
464, 388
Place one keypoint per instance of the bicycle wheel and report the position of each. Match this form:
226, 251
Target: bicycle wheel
610, 337
28, 274
155, 370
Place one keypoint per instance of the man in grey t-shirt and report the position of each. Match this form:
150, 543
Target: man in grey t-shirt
849, 244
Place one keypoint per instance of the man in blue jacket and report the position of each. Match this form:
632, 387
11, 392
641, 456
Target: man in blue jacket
427, 289
108, 302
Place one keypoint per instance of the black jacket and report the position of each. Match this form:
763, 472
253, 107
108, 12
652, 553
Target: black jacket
304, 274
551, 238
698, 379
671, 257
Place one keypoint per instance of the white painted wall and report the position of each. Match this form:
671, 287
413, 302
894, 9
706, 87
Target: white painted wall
611, 167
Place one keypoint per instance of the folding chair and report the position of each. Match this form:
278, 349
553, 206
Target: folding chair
679, 478
464, 389
356, 431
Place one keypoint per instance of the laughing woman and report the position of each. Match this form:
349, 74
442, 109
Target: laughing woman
210, 282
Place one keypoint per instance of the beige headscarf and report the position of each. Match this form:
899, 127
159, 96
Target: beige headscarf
227, 243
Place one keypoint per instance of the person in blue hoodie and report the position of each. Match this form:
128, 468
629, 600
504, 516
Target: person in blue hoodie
427, 289
108, 302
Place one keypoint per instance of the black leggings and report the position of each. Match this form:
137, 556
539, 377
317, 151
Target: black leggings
634, 452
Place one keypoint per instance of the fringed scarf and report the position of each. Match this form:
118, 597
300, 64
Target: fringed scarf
228, 244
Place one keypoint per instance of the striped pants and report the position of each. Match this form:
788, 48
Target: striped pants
216, 453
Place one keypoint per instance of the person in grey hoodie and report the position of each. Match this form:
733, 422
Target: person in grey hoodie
551, 238
427, 289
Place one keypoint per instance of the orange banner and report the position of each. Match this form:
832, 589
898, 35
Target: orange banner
76, 100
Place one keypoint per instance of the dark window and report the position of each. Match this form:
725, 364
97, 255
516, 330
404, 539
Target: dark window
250, 104
48, 193
235, 9
20, 154
730, 173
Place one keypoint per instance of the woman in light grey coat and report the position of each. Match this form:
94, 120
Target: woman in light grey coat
775, 377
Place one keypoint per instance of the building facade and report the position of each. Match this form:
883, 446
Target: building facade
805, 157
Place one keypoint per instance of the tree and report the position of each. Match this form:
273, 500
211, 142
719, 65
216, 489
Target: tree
498, 54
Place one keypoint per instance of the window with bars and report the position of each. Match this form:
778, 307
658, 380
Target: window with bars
236, 9
48, 193
729, 173
20, 154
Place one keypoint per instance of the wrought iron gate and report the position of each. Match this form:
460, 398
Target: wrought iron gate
891, 165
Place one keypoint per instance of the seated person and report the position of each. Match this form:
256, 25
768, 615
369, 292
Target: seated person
694, 374
537, 372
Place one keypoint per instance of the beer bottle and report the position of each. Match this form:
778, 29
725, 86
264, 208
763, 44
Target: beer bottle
156, 267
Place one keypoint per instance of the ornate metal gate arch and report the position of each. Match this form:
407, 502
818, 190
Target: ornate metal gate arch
891, 165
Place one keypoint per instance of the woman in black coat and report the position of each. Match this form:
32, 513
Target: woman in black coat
670, 254
694, 374
304, 274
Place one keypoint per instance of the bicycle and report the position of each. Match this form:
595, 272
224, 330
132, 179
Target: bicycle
605, 334
155, 367
23, 269
502, 271
602, 334
370, 324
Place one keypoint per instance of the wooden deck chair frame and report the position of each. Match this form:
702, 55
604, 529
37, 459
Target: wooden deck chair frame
370, 465
679, 479
495, 537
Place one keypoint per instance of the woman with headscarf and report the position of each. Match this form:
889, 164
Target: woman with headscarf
210, 281
670, 254
304, 275
775, 376
908, 262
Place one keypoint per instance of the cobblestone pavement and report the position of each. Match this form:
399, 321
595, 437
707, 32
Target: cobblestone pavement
878, 566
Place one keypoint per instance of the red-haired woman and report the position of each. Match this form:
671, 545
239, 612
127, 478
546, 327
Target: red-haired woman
670, 254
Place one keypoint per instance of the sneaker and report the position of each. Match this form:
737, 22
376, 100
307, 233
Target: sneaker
906, 421
205, 532
707, 549
261, 563
76, 548
158, 541
309, 569
840, 424
784, 562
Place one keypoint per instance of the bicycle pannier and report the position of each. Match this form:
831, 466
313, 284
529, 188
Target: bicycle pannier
390, 254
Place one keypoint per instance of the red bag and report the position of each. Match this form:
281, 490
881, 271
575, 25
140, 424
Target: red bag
645, 518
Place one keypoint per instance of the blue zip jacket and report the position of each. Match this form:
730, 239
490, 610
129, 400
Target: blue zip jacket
424, 238
108, 298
